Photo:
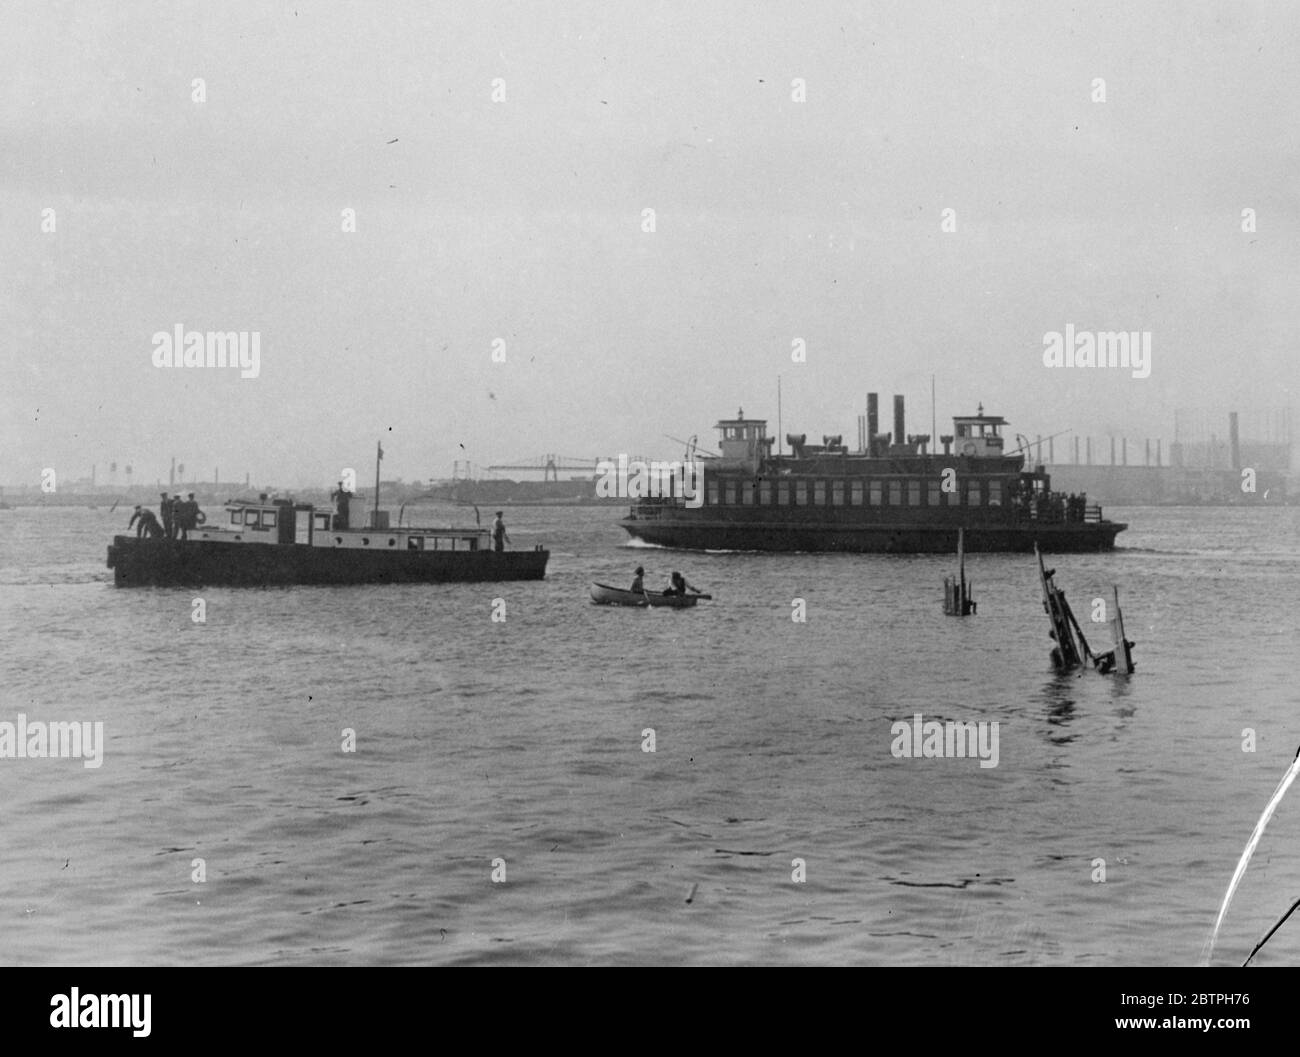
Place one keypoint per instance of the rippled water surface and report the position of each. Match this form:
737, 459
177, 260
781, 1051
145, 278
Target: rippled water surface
522, 741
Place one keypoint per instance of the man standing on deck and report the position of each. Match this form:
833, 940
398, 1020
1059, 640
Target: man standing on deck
179, 514
341, 498
167, 508
499, 537
186, 513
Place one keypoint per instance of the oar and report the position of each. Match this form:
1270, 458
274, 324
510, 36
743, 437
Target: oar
700, 594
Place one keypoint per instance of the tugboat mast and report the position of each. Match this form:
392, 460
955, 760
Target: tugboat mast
379, 455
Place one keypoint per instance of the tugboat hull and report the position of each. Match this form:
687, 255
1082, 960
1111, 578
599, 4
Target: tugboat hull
874, 539
168, 563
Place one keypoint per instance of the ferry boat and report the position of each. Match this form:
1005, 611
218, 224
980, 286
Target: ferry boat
279, 541
893, 495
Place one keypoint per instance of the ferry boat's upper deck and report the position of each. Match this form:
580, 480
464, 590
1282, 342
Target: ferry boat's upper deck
888, 478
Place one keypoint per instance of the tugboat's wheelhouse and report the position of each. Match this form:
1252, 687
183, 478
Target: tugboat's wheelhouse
286, 522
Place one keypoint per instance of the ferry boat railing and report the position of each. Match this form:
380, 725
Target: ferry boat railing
1058, 508
1054, 509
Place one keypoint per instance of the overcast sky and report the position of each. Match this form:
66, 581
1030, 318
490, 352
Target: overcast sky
522, 219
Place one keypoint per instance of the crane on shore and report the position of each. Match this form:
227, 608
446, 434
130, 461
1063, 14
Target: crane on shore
549, 465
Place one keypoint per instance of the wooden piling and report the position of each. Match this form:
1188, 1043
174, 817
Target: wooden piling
956, 591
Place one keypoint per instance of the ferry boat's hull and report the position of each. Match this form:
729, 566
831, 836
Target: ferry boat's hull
166, 563
899, 538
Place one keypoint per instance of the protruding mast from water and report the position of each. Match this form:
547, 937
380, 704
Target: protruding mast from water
957, 601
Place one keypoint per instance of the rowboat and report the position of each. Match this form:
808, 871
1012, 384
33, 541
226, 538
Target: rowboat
604, 595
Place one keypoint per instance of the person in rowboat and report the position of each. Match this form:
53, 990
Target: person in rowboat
638, 584
680, 585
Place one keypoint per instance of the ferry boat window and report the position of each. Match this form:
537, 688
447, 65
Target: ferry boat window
746, 492
913, 493
837, 493
268, 519
995, 493
726, 493
895, 493
972, 493
392, 542
855, 493
765, 493
931, 493
952, 498
782, 493
875, 493
711, 493
365, 541
819, 493
415, 543
236, 517
322, 522
801, 493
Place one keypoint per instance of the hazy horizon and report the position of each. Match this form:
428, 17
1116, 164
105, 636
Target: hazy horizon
521, 219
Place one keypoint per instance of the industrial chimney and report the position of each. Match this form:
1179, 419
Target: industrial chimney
899, 436
873, 418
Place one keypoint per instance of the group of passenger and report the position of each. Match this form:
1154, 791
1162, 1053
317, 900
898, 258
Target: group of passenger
178, 517
679, 584
1050, 506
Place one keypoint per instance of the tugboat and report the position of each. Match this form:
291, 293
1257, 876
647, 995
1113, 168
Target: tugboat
279, 541
894, 495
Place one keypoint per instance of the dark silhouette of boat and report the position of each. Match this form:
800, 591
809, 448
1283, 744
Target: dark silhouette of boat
278, 541
604, 595
894, 495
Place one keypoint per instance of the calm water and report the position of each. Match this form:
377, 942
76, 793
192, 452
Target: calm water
522, 741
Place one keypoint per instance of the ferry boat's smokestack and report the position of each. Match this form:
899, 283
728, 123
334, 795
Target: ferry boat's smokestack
873, 418
899, 436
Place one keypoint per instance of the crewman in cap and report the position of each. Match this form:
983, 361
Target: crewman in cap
188, 516
499, 537
148, 523
638, 585
167, 508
